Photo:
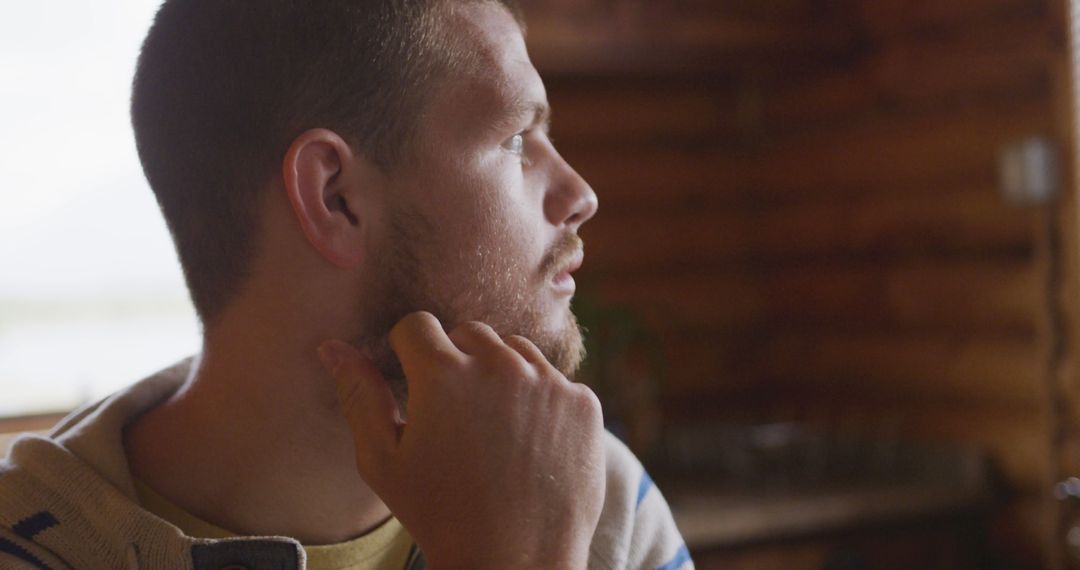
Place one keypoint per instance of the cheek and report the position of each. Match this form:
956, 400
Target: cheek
500, 209
486, 219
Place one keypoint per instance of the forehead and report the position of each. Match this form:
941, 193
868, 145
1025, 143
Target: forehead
490, 72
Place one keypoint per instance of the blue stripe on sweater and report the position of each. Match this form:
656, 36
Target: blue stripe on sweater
681, 557
29, 527
643, 488
8, 547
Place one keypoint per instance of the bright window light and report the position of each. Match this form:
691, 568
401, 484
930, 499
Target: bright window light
91, 294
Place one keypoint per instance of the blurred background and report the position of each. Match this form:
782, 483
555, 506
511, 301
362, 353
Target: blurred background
830, 286
831, 291
87, 269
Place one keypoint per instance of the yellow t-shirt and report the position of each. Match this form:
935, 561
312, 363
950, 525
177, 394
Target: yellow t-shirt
385, 547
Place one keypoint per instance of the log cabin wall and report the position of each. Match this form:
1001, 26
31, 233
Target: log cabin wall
801, 199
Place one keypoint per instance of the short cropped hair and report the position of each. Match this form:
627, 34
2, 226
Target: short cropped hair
223, 87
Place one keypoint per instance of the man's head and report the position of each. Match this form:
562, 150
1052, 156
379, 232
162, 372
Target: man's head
223, 88
461, 207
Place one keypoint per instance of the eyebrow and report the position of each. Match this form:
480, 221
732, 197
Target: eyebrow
539, 112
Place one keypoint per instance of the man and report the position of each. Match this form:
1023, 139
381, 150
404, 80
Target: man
378, 172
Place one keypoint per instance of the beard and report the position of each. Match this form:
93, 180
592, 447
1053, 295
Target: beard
484, 282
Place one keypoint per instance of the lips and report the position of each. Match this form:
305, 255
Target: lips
574, 263
562, 281
563, 258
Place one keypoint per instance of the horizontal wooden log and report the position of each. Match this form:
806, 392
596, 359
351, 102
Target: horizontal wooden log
841, 163
899, 147
719, 300
666, 240
715, 362
964, 371
580, 39
885, 19
637, 109
970, 299
973, 222
1005, 61
959, 220
942, 69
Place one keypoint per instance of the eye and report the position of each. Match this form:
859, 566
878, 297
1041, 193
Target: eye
516, 144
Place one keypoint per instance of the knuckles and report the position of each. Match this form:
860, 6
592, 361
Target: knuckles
474, 331
415, 321
519, 340
516, 367
490, 352
586, 403
439, 363
507, 364
525, 348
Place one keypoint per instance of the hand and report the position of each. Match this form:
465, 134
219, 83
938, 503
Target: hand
500, 464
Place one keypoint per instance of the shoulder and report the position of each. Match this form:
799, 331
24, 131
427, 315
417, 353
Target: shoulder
25, 505
17, 551
627, 481
636, 527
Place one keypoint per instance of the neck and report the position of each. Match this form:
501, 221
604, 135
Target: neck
255, 443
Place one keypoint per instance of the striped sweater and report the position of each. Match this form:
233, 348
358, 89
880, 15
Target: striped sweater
68, 500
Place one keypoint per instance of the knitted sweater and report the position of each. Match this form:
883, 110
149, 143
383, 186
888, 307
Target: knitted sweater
68, 500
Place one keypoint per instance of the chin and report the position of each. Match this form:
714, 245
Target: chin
564, 346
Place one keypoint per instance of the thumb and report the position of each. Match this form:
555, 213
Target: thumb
366, 400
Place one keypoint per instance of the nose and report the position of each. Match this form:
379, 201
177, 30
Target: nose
569, 201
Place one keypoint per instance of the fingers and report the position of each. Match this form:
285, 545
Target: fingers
366, 401
420, 344
475, 338
527, 350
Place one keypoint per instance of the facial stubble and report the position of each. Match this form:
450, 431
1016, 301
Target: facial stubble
498, 292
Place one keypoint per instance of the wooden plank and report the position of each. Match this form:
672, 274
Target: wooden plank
975, 298
690, 191
1004, 61
707, 361
956, 222
836, 95
617, 242
718, 300
972, 298
935, 69
965, 371
821, 163
640, 109
576, 39
901, 147
883, 19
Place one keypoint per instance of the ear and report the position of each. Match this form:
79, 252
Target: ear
322, 177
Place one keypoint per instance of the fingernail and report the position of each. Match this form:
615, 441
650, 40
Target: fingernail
330, 358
